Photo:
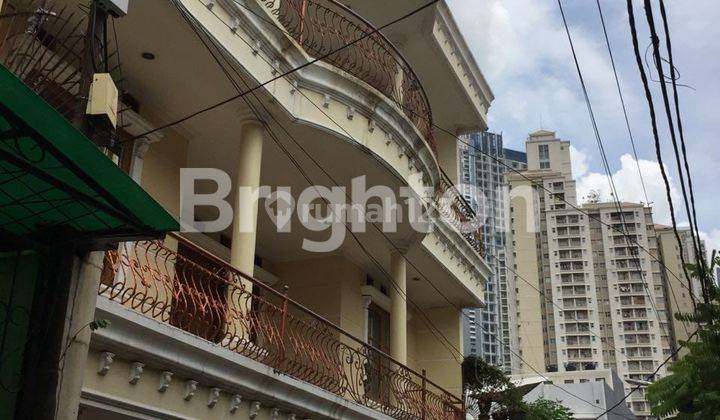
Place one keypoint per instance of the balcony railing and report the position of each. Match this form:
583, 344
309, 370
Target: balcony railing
322, 26
198, 292
44, 44
455, 209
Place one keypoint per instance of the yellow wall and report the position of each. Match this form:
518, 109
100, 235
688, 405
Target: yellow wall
528, 299
161, 170
426, 351
679, 300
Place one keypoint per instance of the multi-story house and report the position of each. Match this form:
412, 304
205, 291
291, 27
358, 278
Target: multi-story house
491, 331
591, 292
248, 316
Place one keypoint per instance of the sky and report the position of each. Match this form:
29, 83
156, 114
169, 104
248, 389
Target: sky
523, 51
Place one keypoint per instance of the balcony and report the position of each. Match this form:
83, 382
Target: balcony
199, 293
321, 26
43, 45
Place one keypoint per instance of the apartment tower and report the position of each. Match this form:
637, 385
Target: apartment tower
482, 169
588, 296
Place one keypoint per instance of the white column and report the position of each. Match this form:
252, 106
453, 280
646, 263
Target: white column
398, 307
244, 231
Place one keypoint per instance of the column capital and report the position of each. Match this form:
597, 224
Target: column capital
247, 116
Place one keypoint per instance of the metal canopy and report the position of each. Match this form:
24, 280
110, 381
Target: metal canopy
52, 178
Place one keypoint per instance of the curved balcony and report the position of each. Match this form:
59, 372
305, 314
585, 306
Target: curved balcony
322, 26
200, 293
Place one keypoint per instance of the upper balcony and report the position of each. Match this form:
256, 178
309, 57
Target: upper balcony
432, 43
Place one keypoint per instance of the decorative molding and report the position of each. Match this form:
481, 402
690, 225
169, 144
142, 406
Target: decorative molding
235, 402
254, 409
106, 360
135, 125
235, 25
275, 414
190, 388
350, 112
326, 101
376, 296
213, 397
165, 379
136, 371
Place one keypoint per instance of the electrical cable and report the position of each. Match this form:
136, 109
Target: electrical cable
293, 70
521, 358
658, 153
412, 265
674, 79
444, 341
671, 126
622, 102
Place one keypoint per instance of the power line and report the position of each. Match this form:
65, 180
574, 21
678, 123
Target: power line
658, 153
293, 70
622, 101
616, 198
410, 262
348, 134
289, 156
433, 329
668, 45
666, 102
274, 26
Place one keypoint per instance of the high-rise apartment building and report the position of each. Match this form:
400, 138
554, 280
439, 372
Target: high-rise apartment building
681, 296
588, 296
482, 169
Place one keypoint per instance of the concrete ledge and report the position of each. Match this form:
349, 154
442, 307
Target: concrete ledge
135, 336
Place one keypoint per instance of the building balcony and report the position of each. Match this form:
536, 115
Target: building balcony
179, 284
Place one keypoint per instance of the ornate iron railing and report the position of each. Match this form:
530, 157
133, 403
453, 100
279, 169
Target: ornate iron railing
460, 214
200, 293
44, 44
322, 26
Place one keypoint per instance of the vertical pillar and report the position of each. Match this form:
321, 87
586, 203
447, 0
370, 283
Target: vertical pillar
76, 343
398, 307
239, 325
247, 181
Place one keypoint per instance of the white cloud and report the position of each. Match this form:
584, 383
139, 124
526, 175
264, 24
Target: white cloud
579, 161
523, 51
629, 186
712, 240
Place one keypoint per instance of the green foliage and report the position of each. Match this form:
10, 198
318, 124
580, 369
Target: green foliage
99, 323
543, 409
488, 384
692, 391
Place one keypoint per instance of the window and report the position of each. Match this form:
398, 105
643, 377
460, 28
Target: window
544, 152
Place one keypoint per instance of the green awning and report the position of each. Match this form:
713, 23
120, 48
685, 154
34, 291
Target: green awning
53, 178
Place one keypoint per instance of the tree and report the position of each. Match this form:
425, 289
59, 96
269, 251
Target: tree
489, 388
692, 391
492, 392
543, 409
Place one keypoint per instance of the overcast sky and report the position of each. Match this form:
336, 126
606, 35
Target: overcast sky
523, 51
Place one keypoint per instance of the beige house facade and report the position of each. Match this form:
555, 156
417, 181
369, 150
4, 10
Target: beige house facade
248, 320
